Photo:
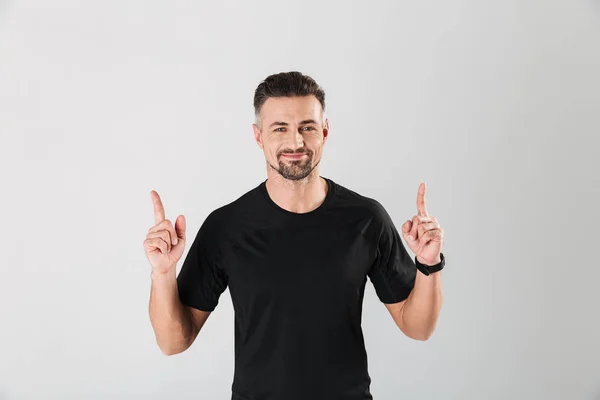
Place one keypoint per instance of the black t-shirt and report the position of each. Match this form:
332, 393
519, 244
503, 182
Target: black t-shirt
297, 283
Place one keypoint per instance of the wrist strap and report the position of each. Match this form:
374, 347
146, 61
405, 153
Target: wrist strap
429, 269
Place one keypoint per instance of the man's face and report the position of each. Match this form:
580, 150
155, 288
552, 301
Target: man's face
293, 135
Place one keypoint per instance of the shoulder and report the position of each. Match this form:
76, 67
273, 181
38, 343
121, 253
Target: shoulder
223, 217
361, 204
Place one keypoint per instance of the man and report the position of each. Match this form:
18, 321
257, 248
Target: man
295, 252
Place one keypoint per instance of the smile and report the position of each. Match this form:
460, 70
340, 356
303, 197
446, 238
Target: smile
293, 156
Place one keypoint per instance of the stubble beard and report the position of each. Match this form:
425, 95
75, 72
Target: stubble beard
295, 170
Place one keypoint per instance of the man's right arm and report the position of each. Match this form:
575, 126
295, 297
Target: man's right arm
175, 324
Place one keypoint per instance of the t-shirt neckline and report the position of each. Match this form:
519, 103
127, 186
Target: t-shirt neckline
320, 208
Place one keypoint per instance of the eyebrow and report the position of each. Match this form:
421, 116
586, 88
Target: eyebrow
281, 123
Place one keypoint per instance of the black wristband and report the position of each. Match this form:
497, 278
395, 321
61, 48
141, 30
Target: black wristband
428, 269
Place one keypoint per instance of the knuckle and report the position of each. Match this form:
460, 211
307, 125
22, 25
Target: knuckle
156, 228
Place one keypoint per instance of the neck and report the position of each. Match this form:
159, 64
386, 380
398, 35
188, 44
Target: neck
300, 196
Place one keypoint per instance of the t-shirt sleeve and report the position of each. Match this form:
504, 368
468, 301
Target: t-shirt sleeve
393, 272
202, 278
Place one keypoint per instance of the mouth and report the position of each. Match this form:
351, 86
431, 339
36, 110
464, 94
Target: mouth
293, 156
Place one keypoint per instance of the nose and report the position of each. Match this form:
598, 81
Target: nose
296, 140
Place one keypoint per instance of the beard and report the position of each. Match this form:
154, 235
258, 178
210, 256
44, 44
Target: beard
295, 170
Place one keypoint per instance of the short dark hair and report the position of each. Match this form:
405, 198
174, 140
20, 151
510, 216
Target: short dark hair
286, 84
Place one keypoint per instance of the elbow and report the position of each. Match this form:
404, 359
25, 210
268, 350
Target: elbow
422, 337
418, 332
169, 352
171, 349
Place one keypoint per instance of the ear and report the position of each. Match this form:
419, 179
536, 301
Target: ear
326, 129
257, 136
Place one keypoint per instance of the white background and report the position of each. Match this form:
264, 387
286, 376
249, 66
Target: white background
494, 104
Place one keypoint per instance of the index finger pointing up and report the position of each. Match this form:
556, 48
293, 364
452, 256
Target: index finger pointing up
159, 210
421, 208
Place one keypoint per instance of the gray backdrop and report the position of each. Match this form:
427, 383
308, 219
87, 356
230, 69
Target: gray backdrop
494, 104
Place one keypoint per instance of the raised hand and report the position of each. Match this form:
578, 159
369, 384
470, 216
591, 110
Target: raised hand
164, 243
423, 234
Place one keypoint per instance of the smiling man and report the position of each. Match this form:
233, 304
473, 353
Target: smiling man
295, 252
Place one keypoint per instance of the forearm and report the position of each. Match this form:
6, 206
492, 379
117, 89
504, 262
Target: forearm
170, 320
422, 308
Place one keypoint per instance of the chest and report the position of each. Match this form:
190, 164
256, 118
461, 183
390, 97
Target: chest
320, 261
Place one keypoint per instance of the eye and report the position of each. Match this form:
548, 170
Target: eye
309, 127
278, 129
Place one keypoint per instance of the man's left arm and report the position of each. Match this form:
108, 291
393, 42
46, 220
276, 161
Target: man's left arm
417, 315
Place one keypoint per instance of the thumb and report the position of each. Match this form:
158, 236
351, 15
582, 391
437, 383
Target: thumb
407, 226
180, 227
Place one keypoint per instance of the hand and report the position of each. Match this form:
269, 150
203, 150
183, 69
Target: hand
164, 244
423, 234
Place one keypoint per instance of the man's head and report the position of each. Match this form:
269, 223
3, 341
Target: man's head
290, 124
